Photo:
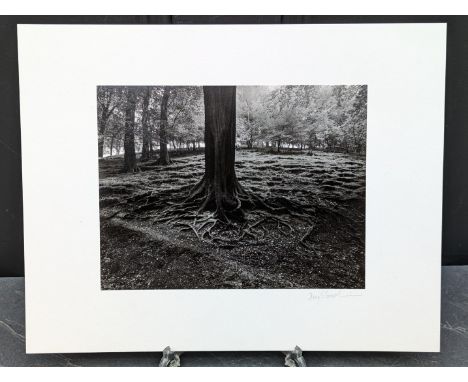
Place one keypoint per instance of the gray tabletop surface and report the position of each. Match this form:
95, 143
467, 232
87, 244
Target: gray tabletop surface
454, 339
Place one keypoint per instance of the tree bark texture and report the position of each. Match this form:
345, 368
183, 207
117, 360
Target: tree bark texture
163, 152
129, 137
145, 150
219, 184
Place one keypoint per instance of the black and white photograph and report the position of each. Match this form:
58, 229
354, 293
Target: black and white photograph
232, 187
209, 189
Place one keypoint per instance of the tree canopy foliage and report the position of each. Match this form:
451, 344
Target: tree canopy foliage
329, 118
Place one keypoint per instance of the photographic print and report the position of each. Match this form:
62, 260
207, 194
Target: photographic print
213, 187
232, 190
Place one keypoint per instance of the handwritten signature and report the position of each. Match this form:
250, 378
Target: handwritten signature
323, 295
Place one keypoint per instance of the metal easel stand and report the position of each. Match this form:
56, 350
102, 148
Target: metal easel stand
170, 358
294, 358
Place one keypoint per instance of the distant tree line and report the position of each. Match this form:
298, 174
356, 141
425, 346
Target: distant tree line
154, 117
146, 119
331, 118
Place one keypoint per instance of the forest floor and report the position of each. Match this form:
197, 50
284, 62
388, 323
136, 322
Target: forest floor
325, 251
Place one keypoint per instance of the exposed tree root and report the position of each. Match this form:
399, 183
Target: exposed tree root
307, 234
235, 216
221, 219
244, 218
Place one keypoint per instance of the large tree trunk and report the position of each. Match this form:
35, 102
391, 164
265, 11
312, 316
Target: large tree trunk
101, 130
129, 138
111, 145
100, 147
219, 185
145, 150
219, 191
163, 152
220, 141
